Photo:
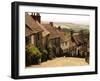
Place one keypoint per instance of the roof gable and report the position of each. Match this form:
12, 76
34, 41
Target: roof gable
45, 31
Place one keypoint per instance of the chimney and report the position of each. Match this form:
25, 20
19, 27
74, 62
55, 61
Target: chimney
26, 13
36, 17
59, 28
51, 24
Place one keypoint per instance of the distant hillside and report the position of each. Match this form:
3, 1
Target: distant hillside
68, 26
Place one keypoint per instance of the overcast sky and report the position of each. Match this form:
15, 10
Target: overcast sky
78, 19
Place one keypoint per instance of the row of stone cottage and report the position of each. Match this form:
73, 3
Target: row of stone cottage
40, 35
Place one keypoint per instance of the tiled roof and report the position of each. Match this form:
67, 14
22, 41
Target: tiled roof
62, 36
78, 38
45, 31
31, 23
28, 31
52, 30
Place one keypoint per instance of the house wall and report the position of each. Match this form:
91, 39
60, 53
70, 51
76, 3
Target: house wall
35, 39
63, 45
56, 46
38, 40
45, 41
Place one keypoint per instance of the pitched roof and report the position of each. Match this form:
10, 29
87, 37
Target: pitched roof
62, 36
78, 38
45, 31
53, 32
31, 23
28, 31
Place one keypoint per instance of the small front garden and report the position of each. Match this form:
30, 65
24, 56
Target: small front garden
36, 56
33, 55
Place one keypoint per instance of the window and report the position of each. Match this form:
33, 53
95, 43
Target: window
28, 40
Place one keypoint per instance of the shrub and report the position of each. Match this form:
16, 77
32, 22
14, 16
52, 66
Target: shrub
51, 54
44, 55
33, 55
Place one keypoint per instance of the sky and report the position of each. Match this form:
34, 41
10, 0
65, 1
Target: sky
72, 18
